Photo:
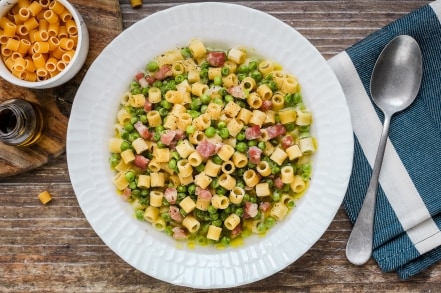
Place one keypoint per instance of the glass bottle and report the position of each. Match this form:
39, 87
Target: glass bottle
21, 122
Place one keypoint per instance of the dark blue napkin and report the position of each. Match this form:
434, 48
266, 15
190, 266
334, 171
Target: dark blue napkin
407, 236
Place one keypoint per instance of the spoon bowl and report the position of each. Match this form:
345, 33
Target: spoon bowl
395, 83
397, 75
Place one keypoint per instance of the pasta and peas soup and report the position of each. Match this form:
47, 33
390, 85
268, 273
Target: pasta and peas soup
212, 145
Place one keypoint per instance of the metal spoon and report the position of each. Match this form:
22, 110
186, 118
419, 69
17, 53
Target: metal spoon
395, 82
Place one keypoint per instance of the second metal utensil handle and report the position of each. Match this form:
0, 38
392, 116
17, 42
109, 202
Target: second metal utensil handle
359, 246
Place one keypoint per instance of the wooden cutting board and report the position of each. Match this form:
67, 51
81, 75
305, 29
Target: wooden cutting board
103, 20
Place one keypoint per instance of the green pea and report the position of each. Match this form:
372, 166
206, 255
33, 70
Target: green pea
214, 183
219, 101
194, 114
179, 78
166, 104
239, 212
166, 217
269, 222
211, 209
304, 128
221, 191
217, 223
261, 227
240, 136
261, 145
168, 230
217, 80
257, 75
125, 135
190, 129
133, 120
297, 98
242, 68
275, 195
210, 132
273, 85
114, 160
205, 99
143, 119
217, 160
161, 145
203, 73
290, 126
136, 91
125, 146
241, 76
200, 168
181, 196
225, 71
196, 104
241, 147
224, 133
163, 112
191, 189
130, 176
275, 170
252, 65
133, 136
156, 136
204, 108
145, 91
139, 215
185, 52
152, 66
225, 240
172, 164
252, 142
229, 98
175, 155
129, 127
221, 124
205, 65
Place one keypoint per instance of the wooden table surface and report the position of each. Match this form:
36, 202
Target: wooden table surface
52, 248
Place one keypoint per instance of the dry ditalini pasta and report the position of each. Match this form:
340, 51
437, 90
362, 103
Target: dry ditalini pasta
38, 39
212, 145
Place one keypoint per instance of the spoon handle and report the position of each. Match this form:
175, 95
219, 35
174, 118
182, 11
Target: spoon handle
359, 246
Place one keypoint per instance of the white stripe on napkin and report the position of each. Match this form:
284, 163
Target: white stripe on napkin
394, 179
436, 6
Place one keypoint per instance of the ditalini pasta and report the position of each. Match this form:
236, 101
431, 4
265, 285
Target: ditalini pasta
38, 39
209, 145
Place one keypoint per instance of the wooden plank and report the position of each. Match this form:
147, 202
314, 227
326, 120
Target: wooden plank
103, 19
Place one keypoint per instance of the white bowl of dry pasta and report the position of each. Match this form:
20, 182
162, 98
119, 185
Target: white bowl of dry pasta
43, 43
220, 147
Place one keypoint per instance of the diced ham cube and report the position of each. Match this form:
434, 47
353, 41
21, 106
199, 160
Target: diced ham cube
171, 195
174, 213
141, 162
254, 154
163, 72
275, 130
252, 132
251, 209
216, 58
206, 149
142, 130
179, 233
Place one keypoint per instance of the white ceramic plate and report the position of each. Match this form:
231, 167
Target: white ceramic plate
94, 113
